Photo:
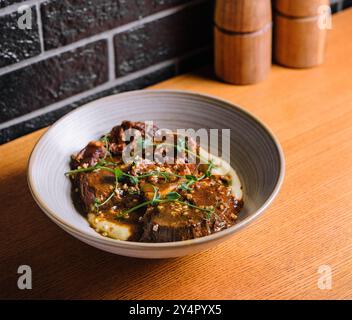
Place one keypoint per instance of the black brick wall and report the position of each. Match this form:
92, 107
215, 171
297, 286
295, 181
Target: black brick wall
50, 117
163, 39
66, 21
80, 50
53, 79
17, 44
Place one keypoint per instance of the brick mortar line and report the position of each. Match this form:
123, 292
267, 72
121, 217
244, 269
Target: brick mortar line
40, 28
111, 58
100, 36
105, 86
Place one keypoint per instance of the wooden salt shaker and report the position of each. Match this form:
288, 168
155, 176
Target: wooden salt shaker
299, 40
243, 40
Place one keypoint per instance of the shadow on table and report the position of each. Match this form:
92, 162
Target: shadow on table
207, 73
62, 266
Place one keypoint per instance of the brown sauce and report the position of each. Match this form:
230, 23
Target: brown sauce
149, 202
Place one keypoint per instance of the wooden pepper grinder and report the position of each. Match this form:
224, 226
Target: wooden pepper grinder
243, 40
299, 38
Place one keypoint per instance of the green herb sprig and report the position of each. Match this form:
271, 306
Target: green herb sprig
134, 179
101, 165
144, 143
118, 173
193, 179
105, 140
170, 197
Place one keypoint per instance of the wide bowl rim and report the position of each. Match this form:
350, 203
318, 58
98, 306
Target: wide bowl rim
163, 245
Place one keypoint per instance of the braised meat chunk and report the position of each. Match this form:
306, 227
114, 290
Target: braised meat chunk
118, 134
210, 208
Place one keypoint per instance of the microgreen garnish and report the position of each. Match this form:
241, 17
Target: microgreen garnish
181, 149
186, 185
118, 173
209, 211
180, 146
99, 204
191, 180
156, 196
134, 180
173, 196
141, 205
99, 165
105, 140
170, 197
211, 165
209, 214
155, 200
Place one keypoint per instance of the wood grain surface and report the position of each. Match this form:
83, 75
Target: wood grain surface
299, 42
243, 58
242, 15
299, 8
277, 257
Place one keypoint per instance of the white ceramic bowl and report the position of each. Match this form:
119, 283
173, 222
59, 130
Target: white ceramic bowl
255, 154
